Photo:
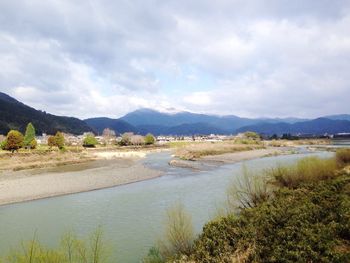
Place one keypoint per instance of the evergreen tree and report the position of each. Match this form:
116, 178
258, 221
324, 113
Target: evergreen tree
29, 136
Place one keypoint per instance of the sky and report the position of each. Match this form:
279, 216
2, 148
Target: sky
89, 58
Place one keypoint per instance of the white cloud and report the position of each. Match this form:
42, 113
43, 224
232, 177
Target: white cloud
101, 58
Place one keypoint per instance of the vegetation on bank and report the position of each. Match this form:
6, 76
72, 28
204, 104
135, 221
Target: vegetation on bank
93, 249
294, 213
195, 150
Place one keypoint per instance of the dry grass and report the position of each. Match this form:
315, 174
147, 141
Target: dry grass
194, 151
30, 160
343, 157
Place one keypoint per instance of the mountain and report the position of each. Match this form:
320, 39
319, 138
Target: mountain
318, 126
229, 123
344, 117
16, 115
119, 126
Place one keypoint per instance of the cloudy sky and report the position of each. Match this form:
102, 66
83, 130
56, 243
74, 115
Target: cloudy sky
89, 58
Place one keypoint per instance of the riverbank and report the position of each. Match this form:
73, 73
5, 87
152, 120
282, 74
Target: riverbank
227, 158
92, 171
35, 184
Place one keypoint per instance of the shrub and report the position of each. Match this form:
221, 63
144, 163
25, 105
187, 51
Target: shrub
177, 238
90, 141
308, 169
33, 144
72, 250
3, 145
29, 135
149, 139
153, 256
14, 141
343, 156
297, 225
248, 191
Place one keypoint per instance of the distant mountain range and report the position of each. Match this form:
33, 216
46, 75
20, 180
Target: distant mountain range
16, 115
186, 123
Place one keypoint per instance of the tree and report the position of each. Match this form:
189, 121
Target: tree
126, 139
149, 139
252, 135
59, 139
90, 141
14, 141
51, 141
29, 136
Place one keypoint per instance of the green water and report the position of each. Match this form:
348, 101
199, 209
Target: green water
130, 215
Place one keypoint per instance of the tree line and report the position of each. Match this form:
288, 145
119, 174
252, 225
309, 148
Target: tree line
15, 140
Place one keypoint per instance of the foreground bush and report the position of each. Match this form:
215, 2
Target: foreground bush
308, 224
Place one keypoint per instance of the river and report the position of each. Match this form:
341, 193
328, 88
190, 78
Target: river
130, 215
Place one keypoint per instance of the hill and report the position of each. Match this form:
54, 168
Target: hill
318, 126
16, 115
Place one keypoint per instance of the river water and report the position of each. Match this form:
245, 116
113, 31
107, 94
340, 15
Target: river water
130, 215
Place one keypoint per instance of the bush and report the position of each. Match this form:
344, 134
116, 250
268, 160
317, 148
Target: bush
14, 141
33, 144
72, 250
149, 139
248, 191
343, 157
177, 238
310, 169
3, 145
90, 141
311, 224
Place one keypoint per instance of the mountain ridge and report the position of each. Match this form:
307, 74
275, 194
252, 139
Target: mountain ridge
16, 115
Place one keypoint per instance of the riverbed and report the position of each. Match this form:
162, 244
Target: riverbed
131, 215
